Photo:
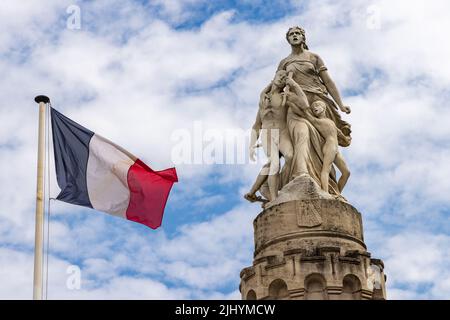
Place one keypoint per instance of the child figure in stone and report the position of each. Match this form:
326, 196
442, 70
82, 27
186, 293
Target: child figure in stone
328, 130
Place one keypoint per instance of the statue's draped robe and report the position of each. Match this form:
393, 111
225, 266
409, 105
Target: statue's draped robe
306, 140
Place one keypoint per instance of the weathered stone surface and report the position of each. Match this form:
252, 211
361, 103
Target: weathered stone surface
302, 187
325, 261
282, 227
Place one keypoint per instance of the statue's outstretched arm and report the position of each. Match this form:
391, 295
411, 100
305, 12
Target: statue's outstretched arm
256, 129
254, 136
330, 85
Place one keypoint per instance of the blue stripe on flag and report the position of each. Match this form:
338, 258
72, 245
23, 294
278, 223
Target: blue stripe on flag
71, 148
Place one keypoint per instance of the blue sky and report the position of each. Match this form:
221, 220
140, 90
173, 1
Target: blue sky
137, 71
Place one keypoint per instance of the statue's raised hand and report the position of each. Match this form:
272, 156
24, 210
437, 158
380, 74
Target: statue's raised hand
346, 109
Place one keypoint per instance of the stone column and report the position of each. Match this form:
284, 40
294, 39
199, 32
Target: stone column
311, 249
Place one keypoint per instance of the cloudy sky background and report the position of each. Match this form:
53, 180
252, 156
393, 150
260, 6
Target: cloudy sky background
138, 71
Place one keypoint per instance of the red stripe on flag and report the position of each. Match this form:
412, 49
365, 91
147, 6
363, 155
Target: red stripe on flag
149, 191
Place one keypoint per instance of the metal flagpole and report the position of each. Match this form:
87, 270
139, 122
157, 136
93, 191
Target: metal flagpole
39, 227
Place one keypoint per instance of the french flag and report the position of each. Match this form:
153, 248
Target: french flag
96, 173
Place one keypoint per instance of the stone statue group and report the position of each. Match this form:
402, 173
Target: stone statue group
298, 120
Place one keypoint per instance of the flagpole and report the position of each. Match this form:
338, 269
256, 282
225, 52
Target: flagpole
39, 226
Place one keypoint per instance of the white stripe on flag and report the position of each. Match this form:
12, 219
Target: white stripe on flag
106, 175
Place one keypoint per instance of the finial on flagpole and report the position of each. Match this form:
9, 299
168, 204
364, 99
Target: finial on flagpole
43, 99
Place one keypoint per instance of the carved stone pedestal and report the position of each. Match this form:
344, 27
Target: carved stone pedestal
311, 249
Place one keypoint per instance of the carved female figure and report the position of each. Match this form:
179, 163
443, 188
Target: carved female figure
308, 70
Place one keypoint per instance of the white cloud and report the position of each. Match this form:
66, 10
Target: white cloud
416, 260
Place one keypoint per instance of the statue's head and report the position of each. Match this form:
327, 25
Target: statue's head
296, 36
280, 78
318, 108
